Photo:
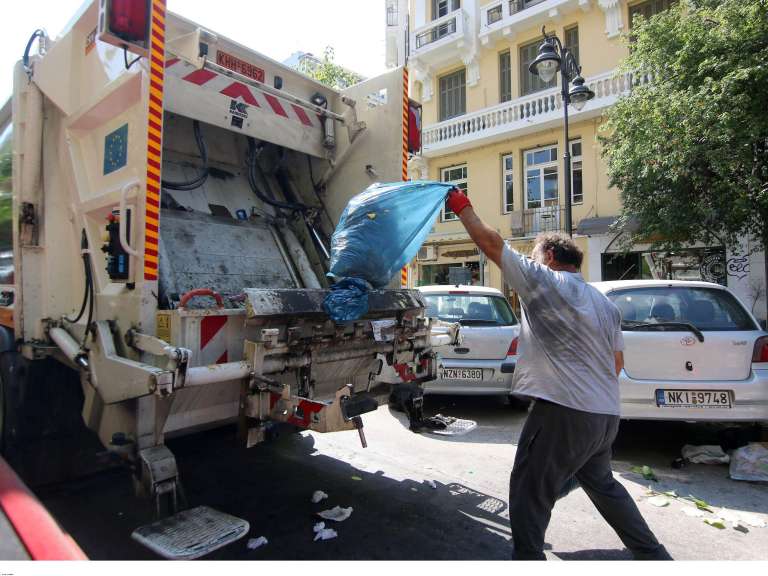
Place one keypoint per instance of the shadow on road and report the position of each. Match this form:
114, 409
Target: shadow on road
498, 422
620, 554
271, 486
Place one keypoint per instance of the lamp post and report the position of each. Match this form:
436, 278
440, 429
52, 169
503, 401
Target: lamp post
553, 56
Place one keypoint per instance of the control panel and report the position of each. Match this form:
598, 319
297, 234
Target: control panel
118, 260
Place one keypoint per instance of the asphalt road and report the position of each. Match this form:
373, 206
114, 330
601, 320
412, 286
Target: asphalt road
397, 514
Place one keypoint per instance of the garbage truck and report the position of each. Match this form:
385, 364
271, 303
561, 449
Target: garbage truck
174, 194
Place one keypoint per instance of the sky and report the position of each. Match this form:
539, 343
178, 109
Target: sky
276, 28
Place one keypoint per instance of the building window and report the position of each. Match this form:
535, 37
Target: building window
392, 15
577, 186
530, 83
505, 77
507, 186
541, 177
442, 8
456, 175
495, 14
453, 95
649, 8
572, 41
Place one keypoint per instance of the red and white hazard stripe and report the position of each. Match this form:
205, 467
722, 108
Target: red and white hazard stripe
262, 101
213, 340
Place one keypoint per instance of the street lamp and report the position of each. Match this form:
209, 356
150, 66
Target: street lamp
553, 56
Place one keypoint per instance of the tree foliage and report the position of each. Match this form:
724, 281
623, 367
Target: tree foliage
689, 150
6, 163
328, 72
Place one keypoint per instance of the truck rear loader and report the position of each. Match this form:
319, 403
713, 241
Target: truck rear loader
174, 193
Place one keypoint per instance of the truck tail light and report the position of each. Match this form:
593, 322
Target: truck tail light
760, 353
513, 348
129, 20
126, 24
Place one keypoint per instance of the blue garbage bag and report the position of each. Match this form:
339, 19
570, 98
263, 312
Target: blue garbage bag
347, 300
382, 229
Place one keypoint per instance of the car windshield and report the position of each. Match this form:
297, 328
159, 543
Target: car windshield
470, 309
707, 309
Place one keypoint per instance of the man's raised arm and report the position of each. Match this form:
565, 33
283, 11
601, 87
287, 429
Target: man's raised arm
487, 239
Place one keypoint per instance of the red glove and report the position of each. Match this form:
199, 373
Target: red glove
457, 201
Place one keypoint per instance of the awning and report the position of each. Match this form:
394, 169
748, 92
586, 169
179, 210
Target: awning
596, 226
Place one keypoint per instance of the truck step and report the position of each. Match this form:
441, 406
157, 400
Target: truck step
191, 533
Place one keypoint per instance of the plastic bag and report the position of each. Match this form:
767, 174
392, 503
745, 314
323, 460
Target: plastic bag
708, 454
382, 229
347, 300
750, 463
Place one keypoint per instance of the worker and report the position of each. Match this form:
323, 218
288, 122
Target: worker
570, 356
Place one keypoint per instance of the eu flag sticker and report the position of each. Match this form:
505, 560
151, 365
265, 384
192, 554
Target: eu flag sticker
116, 149
660, 397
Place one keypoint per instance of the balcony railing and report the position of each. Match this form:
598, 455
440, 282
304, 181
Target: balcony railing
525, 114
494, 14
437, 30
540, 220
516, 6
503, 17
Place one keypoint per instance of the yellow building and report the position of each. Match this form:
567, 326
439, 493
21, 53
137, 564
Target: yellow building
495, 129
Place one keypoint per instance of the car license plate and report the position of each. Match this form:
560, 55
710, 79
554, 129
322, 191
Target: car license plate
693, 398
461, 374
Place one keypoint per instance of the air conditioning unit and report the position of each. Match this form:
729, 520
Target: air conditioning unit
427, 253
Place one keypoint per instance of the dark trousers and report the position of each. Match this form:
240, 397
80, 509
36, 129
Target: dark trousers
556, 445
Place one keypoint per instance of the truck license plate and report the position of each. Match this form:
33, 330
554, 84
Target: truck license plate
461, 374
693, 398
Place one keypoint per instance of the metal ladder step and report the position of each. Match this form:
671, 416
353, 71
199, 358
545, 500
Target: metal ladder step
192, 533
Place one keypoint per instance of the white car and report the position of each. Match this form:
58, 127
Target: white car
485, 361
693, 352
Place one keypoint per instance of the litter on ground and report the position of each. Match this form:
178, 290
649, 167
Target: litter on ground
750, 463
660, 501
692, 512
318, 496
254, 543
707, 454
715, 523
646, 472
323, 533
337, 514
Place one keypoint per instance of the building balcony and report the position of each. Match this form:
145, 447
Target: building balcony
504, 18
531, 223
440, 41
528, 114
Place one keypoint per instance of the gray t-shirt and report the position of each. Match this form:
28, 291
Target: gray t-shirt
568, 335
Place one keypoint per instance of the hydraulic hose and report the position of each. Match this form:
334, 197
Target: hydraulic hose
86, 274
252, 167
203, 176
39, 33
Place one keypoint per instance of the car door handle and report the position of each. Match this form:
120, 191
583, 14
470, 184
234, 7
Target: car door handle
461, 350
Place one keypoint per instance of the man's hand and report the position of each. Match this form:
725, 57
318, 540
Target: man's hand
457, 201
619, 358
487, 239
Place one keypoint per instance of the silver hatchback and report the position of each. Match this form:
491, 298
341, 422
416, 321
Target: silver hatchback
484, 363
